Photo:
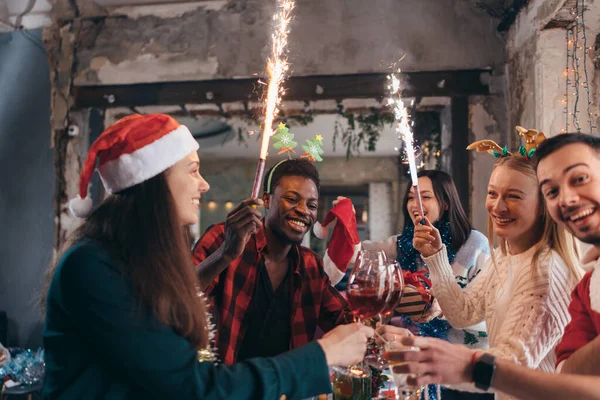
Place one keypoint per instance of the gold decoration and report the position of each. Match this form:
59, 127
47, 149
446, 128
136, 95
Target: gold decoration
486, 145
532, 137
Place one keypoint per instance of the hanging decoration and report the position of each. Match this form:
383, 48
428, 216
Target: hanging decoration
576, 73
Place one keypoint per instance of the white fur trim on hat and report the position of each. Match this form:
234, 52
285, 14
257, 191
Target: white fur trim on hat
321, 231
334, 273
81, 208
147, 162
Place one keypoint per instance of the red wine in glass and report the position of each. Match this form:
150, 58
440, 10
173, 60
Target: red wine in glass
396, 294
377, 360
366, 302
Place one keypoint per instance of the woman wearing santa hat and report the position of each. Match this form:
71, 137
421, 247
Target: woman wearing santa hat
124, 318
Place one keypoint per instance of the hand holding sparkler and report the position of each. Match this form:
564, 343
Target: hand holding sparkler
427, 239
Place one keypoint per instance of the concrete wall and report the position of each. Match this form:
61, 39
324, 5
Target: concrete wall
26, 211
219, 39
228, 39
536, 64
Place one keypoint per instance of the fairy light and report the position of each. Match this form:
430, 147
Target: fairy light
585, 70
566, 74
575, 79
277, 67
575, 64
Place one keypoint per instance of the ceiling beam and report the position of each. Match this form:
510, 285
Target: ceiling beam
298, 88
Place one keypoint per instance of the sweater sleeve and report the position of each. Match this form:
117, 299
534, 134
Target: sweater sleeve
462, 308
537, 313
580, 331
152, 356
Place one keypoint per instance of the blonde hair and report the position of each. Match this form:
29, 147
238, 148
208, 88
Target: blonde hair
550, 236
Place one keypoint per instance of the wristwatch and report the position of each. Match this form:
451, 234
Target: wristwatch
484, 371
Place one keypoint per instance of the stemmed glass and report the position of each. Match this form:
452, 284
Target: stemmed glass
377, 360
403, 390
369, 287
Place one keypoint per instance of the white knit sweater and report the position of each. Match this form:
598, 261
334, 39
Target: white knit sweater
525, 310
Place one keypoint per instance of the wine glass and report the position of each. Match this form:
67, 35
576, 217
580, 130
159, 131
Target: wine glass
369, 288
369, 285
377, 360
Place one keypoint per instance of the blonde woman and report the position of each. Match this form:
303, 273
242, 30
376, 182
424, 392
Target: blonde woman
523, 292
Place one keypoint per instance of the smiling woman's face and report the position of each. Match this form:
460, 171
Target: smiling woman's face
186, 186
431, 206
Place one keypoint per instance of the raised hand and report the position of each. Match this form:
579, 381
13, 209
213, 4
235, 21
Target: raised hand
346, 344
242, 222
390, 333
427, 239
437, 362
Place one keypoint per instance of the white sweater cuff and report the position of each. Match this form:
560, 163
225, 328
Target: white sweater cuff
439, 264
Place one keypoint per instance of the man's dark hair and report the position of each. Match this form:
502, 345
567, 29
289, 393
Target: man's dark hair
294, 167
557, 142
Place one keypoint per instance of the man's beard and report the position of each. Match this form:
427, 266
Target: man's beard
594, 240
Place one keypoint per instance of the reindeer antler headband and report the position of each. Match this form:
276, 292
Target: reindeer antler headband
532, 140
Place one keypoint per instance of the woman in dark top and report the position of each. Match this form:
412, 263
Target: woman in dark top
124, 319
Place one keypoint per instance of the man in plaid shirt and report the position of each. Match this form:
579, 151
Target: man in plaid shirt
270, 293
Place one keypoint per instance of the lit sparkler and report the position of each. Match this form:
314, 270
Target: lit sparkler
277, 66
404, 131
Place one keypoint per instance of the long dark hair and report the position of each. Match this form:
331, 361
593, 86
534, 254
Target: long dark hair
139, 226
450, 205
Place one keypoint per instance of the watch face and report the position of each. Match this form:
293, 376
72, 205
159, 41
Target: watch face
483, 372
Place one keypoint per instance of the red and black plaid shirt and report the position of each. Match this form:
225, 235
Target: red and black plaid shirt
315, 303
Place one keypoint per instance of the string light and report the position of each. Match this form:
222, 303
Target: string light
573, 76
587, 85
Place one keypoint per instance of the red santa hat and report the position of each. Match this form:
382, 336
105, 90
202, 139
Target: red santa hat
131, 151
344, 243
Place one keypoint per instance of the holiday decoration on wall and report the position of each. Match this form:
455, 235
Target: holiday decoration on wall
576, 73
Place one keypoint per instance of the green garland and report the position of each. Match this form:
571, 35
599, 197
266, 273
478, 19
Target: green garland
362, 130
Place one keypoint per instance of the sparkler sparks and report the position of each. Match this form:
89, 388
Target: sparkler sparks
277, 67
404, 131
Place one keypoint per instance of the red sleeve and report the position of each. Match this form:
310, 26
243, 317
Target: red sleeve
580, 330
334, 308
210, 242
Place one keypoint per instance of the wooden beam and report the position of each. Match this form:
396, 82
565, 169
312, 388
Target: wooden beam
303, 88
460, 140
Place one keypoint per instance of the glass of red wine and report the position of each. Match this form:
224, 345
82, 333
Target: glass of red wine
377, 360
369, 287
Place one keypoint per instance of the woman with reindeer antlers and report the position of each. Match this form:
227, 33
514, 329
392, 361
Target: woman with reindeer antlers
523, 292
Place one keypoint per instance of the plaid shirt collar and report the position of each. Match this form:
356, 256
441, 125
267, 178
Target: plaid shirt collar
262, 247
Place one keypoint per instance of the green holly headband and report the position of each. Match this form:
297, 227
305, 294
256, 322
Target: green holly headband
532, 137
284, 142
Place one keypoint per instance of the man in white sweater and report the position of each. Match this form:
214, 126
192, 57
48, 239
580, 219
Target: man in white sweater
568, 172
